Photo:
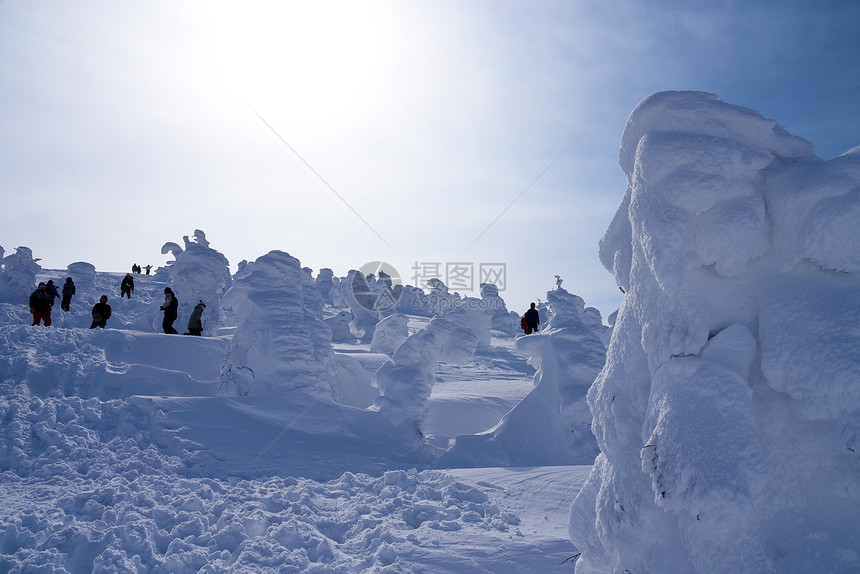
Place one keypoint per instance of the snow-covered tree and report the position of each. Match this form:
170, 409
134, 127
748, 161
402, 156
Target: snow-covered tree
731, 378
281, 344
197, 273
18, 279
390, 334
551, 425
406, 380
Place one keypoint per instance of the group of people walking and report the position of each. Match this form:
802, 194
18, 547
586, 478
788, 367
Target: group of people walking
42, 301
135, 268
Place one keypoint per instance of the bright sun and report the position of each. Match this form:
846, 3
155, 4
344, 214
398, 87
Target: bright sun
325, 61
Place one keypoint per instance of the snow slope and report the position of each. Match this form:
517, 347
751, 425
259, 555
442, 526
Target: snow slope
119, 453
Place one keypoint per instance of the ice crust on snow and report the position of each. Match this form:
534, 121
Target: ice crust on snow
731, 377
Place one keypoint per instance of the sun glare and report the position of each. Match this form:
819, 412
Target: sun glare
323, 61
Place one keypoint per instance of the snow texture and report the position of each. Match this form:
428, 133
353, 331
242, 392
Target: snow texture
18, 279
357, 294
390, 334
84, 274
724, 415
405, 382
507, 322
730, 383
339, 325
282, 345
117, 454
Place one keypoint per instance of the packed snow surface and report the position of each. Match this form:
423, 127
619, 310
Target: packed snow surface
262, 446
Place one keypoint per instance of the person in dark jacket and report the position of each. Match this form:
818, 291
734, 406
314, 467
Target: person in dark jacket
68, 291
195, 322
171, 310
52, 291
127, 286
532, 320
40, 305
101, 313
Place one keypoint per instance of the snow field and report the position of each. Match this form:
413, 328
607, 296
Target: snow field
311, 431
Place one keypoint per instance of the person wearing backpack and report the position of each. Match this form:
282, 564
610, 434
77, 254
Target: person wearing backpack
171, 310
532, 320
68, 291
52, 291
195, 322
101, 313
127, 286
40, 305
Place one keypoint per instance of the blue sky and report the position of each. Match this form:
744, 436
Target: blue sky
405, 130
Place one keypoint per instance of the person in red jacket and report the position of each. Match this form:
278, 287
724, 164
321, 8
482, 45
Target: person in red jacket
40, 305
